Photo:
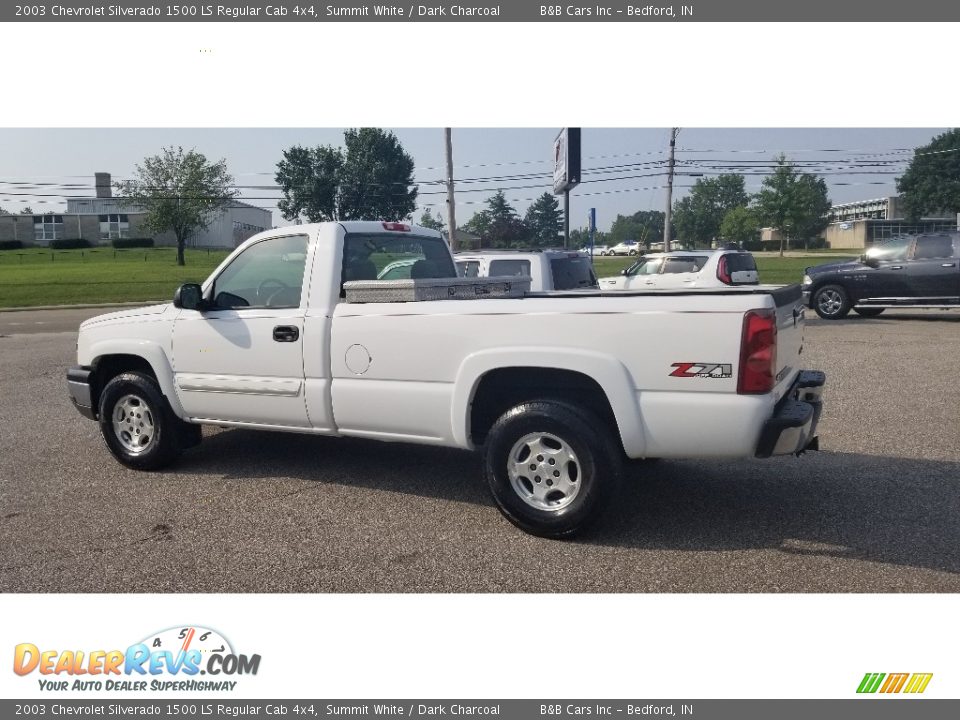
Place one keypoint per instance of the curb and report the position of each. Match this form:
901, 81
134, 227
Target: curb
142, 303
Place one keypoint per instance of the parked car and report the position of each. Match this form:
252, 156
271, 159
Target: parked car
597, 249
918, 271
547, 269
627, 247
555, 389
686, 269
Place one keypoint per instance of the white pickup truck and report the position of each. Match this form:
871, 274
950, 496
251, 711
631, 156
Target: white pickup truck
556, 388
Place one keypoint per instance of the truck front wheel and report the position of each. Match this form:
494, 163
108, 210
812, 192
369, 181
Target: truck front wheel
137, 424
550, 467
831, 302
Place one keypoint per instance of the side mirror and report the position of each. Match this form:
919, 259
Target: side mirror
188, 296
870, 261
623, 272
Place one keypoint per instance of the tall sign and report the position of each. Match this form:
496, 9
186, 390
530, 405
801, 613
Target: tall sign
566, 172
566, 160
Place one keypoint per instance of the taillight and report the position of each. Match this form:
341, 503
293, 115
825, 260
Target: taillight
758, 352
396, 226
723, 272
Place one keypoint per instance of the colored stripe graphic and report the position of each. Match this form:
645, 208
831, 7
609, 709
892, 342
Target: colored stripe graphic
870, 682
918, 683
894, 683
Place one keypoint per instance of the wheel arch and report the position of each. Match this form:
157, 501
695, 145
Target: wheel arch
490, 382
109, 360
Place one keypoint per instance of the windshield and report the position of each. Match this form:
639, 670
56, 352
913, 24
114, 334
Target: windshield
740, 262
895, 249
572, 272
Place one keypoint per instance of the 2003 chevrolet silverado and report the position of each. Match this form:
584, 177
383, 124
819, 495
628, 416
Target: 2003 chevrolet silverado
556, 388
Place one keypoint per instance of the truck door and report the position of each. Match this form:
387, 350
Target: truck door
644, 274
932, 271
240, 359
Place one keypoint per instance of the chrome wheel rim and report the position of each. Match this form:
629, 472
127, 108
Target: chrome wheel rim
829, 302
544, 471
133, 424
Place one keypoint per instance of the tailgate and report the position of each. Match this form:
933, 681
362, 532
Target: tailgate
790, 320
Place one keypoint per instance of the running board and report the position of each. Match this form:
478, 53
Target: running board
953, 306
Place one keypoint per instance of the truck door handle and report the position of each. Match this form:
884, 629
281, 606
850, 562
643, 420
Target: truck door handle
896, 267
949, 265
286, 333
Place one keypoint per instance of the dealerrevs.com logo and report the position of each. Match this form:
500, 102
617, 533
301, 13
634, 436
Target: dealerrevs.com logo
892, 683
172, 659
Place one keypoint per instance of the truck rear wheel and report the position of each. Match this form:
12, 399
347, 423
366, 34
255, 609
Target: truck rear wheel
550, 467
137, 423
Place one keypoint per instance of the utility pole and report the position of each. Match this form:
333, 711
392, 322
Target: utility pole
667, 213
566, 219
451, 207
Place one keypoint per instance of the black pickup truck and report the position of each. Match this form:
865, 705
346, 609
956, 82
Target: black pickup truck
918, 271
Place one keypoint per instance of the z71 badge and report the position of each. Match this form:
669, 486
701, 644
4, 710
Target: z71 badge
702, 370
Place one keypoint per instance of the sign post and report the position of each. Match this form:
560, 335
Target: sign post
592, 226
566, 172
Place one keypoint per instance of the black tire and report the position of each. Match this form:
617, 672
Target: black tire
868, 311
593, 472
120, 400
831, 302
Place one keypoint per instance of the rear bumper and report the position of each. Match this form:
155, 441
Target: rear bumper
78, 385
793, 427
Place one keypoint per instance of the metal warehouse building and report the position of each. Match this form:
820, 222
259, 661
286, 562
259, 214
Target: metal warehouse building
103, 218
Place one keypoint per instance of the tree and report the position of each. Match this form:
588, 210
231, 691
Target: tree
931, 184
644, 226
697, 217
544, 218
580, 238
180, 192
370, 178
498, 225
27, 211
795, 204
4, 211
434, 223
309, 179
740, 225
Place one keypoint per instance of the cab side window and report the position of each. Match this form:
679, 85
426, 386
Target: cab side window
647, 266
938, 246
504, 268
684, 264
268, 274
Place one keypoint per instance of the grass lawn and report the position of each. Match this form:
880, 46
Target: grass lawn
103, 275
773, 270
100, 275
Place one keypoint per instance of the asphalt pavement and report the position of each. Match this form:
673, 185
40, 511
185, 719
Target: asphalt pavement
877, 510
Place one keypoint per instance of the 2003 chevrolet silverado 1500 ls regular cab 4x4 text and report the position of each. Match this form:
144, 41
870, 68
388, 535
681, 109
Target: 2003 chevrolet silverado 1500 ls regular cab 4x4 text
293, 332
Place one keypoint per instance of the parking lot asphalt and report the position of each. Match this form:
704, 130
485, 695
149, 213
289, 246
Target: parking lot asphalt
877, 510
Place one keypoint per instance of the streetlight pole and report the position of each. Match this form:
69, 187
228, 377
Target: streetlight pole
669, 209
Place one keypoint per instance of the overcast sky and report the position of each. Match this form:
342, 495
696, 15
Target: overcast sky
37, 166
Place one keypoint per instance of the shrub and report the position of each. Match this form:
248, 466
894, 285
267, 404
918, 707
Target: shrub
132, 242
10, 245
69, 244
